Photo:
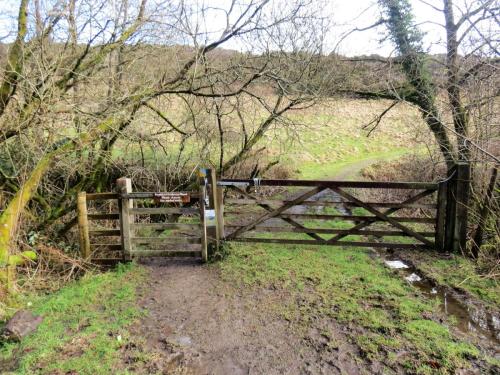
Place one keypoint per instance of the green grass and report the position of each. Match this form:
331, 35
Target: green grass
81, 326
357, 290
330, 167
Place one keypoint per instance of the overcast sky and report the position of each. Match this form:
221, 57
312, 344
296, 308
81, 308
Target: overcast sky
345, 14
348, 14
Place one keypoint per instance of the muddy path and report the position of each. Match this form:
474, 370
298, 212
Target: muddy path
198, 324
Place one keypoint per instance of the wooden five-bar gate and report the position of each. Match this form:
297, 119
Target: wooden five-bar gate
300, 212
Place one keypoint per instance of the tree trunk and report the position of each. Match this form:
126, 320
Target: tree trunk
408, 41
10, 216
460, 118
14, 66
484, 214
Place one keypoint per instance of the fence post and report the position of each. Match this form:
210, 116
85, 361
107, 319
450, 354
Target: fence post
457, 207
441, 216
219, 211
202, 192
124, 186
213, 231
451, 205
462, 207
83, 225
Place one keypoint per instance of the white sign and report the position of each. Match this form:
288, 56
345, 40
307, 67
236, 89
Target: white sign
210, 218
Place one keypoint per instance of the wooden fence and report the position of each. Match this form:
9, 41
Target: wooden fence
308, 212
142, 224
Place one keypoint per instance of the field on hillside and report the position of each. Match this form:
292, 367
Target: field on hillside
313, 143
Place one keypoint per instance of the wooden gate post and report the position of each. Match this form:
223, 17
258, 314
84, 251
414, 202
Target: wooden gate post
462, 209
83, 225
219, 211
213, 233
451, 205
440, 239
457, 208
124, 186
202, 193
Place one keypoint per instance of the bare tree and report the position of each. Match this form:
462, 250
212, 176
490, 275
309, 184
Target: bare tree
471, 57
91, 71
458, 96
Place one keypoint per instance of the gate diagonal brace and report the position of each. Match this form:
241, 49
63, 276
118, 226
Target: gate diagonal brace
380, 215
277, 212
390, 211
269, 208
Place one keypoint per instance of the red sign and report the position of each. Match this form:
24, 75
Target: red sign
172, 197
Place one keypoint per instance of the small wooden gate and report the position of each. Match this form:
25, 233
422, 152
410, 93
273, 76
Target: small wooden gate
142, 224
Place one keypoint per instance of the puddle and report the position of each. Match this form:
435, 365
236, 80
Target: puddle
396, 264
413, 278
469, 319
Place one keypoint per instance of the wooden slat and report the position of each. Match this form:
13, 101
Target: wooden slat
277, 211
167, 247
106, 261
383, 216
105, 232
166, 253
329, 203
338, 243
390, 211
106, 253
329, 184
109, 246
101, 196
164, 226
269, 208
163, 211
112, 216
265, 229
152, 194
166, 240
359, 218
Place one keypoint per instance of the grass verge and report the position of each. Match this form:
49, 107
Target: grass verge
387, 318
84, 327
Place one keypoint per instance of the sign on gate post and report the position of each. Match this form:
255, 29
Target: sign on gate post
210, 219
172, 197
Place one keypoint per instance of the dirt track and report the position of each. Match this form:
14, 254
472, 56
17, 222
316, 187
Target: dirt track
197, 324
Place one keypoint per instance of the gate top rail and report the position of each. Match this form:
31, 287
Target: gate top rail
101, 196
140, 195
326, 183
